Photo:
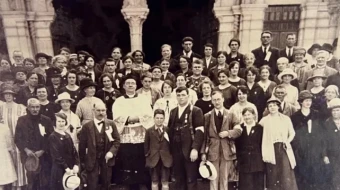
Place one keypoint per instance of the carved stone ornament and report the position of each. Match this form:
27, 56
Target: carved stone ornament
135, 4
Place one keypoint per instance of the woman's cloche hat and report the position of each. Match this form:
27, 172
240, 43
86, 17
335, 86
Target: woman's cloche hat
7, 89
334, 103
207, 170
316, 75
287, 71
64, 96
273, 99
86, 82
305, 94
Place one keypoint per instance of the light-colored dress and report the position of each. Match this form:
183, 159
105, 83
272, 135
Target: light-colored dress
85, 108
7, 174
10, 114
166, 104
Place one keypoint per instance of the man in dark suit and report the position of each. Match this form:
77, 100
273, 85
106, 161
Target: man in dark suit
31, 138
186, 134
266, 55
289, 49
234, 55
157, 151
187, 44
208, 61
98, 145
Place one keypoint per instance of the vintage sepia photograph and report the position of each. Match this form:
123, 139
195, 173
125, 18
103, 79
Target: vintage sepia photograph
169, 95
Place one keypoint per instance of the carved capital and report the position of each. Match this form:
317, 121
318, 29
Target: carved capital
135, 4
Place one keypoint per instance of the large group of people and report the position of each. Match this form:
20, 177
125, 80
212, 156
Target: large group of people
268, 118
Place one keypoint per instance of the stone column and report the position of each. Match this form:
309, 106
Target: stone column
251, 25
40, 17
135, 13
334, 16
16, 32
308, 23
224, 13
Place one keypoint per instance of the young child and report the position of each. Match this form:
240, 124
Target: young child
157, 152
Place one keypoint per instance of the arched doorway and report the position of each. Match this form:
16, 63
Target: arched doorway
94, 26
169, 21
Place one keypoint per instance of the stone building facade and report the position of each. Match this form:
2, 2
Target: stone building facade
27, 23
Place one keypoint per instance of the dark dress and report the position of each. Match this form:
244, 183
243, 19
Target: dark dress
205, 106
49, 110
239, 83
64, 155
229, 95
24, 94
333, 151
258, 98
249, 157
309, 150
108, 98
319, 100
75, 95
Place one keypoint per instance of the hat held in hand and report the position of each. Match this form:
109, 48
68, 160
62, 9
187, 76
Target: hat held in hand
32, 163
71, 182
207, 170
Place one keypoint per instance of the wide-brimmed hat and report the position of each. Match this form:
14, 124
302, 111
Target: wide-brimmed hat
73, 56
273, 100
71, 182
287, 71
334, 103
305, 94
38, 55
32, 163
53, 72
299, 50
7, 89
86, 82
316, 75
310, 50
207, 170
327, 47
64, 96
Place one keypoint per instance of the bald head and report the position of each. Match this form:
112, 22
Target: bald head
99, 110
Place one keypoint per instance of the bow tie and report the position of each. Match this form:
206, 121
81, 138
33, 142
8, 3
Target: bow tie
100, 123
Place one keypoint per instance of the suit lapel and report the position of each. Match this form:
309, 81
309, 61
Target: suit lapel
225, 114
173, 117
212, 120
92, 133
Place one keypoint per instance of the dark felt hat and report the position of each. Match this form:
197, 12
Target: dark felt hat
310, 50
188, 38
19, 69
53, 72
86, 82
32, 163
38, 55
305, 94
327, 47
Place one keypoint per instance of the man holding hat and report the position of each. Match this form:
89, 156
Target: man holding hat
98, 147
31, 138
219, 145
187, 44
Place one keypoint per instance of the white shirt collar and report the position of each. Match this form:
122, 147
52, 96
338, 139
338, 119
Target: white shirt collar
189, 53
96, 121
217, 110
267, 48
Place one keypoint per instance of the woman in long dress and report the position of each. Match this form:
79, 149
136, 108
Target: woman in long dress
10, 112
8, 174
277, 152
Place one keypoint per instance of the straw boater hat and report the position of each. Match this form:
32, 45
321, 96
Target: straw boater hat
71, 182
73, 56
287, 71
316, 75
64, 96
334, 103
305, 94
207, 170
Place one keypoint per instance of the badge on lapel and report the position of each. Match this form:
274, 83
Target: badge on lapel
166, 136
42, 130
108, 131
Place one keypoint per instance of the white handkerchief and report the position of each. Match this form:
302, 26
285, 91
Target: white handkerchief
166, 136
42, 130
309, 123
269, 53
108, 132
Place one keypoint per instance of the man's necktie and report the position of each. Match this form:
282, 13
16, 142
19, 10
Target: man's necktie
290, 52
265, 51
219, 114
167, 106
